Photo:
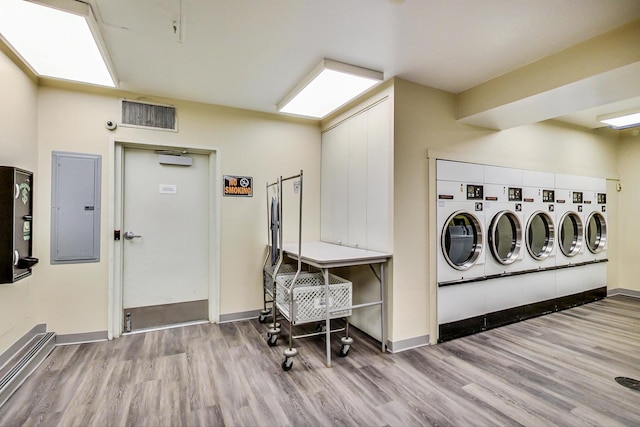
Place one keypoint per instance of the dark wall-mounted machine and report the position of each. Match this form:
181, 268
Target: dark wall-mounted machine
16, 217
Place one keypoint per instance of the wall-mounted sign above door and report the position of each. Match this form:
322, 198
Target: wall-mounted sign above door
238, 186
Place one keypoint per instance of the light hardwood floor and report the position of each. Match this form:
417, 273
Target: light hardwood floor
553, 370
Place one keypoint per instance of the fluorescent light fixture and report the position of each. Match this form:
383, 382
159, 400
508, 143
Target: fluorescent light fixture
327, 87
622, 120
56, 38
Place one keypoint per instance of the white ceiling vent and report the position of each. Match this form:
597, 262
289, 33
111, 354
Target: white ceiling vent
155, 116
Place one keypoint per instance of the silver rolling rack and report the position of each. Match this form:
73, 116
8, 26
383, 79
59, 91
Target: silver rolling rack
298, 296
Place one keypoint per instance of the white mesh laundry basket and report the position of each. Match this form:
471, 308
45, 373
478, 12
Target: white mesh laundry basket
268, 272
307, 302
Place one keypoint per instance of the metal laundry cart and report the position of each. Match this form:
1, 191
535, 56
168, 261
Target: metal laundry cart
302, 297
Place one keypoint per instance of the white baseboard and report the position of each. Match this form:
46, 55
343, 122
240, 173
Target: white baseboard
623, 291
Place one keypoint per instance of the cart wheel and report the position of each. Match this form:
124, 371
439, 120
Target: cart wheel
287, 364
264, 315
272, 340
344, 350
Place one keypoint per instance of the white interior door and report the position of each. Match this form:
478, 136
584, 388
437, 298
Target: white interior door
165, 240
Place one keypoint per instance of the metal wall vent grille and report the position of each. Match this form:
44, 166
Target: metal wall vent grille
149, 115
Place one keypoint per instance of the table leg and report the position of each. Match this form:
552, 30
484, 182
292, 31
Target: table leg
325, 274
383, 333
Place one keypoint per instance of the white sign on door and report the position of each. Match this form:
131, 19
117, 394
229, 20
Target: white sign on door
168, 189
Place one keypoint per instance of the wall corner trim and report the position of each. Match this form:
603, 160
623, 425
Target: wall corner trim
408, 344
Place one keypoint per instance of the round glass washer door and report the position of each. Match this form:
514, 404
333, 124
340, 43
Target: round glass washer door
596, 235
462, 240
571, 234
505, 237
541, 235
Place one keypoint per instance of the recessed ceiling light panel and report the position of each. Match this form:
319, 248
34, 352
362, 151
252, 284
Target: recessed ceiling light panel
330, 85
56, 42
621, 120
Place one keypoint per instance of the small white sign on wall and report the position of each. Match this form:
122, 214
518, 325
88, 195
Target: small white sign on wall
168, 189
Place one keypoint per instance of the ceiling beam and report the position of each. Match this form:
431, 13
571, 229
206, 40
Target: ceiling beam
568, 81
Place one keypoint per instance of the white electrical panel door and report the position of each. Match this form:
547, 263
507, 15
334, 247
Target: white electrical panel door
75, 208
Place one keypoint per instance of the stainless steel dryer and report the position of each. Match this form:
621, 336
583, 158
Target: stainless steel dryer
569, 212
504, 224
503, 220
461, 253
595, 214
461, 242
570, 258
540, 236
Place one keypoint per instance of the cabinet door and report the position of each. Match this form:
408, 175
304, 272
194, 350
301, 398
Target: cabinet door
357, 227
334, 188
356, 180
378, 178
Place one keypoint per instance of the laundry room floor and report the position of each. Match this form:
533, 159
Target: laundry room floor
558, 369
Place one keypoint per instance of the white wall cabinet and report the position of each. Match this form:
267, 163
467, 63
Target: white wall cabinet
333, 186
356, 180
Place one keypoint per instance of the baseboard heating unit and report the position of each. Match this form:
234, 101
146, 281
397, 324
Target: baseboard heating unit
23, 363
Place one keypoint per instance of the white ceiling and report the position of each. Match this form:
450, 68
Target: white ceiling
249, 53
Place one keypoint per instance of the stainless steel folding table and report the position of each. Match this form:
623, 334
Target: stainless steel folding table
326, 256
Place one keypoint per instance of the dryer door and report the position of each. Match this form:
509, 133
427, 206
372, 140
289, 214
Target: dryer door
571, 234
596, 232
541, 235
505, 237
462, 240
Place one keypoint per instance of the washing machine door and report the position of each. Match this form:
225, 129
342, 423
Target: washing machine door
505, 237
571, 234
541, 235
462, 240
596, 235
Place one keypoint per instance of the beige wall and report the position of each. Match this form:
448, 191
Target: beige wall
629, 208
18, 147
73, 298
425, 123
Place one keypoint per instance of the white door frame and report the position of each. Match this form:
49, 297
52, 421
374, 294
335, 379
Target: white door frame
115, 321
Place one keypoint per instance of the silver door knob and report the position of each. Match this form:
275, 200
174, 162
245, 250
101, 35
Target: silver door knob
129, 235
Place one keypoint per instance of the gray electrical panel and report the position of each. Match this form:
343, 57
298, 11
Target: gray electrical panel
75, 207
16, 217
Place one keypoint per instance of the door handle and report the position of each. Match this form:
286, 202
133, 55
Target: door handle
129, 235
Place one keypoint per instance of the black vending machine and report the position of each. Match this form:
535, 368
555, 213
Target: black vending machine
16, 216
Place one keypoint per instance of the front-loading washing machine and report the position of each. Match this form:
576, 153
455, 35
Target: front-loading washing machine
540, 240
570, 257
461, 240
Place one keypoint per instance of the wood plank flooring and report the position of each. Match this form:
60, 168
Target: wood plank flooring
553, 370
